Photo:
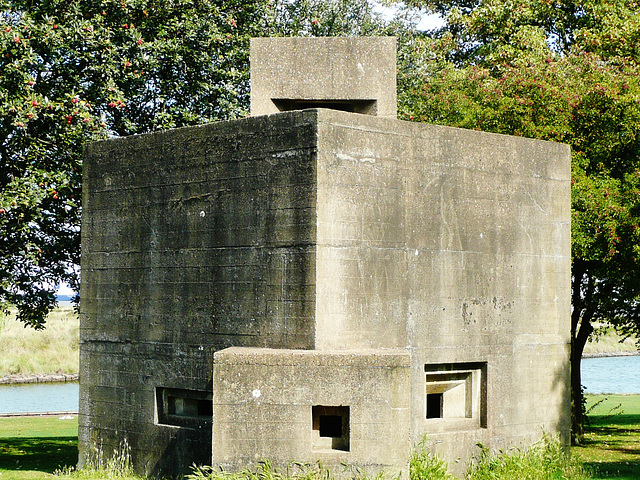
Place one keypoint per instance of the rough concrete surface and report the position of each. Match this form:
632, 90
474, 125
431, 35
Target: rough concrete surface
323, 230
362, 283
356, 74
264, 404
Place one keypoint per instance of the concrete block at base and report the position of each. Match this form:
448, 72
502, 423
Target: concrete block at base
334, 407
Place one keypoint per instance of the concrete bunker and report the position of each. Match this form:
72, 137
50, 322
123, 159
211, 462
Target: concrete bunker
321, 284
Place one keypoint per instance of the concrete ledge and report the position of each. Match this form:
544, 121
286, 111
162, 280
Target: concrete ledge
370, 358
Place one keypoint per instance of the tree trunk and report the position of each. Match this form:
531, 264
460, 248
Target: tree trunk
581, 316
577, 348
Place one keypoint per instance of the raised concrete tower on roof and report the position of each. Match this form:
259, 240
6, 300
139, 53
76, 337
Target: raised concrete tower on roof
321, 284
342, 73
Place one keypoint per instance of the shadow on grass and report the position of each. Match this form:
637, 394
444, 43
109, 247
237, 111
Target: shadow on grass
622, 419
40, 454
621, 470
614, 438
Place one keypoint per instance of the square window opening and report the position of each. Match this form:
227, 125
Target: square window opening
330, 427
184, 408
456, 392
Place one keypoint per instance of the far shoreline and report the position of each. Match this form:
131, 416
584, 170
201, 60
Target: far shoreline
610, 354
39, 378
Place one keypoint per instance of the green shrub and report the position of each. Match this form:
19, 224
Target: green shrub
544, 460
115, 467
264, 471
424, 465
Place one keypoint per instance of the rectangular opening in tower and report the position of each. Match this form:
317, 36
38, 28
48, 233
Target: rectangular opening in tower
330, 427
434, 405
366, 107
456, 392
183, 408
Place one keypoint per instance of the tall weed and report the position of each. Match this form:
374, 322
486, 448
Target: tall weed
115, 467
264, 471
424, 465
544, 460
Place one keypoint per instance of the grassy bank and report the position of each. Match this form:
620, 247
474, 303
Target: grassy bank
35, 447
53, 350
610, 342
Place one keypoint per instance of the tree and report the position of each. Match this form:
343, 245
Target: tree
80, 70
558, 70
323, 18
75, 71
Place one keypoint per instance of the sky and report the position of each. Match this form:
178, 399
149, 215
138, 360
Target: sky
427, 22
65, 290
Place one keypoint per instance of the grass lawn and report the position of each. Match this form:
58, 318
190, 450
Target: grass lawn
34, 447
612, 441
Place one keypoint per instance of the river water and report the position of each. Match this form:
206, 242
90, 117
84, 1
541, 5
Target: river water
611, 374
39, 397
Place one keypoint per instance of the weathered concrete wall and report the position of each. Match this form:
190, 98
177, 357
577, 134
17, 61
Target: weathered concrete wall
193, 240
456, 244
353, 73
335, 231
264, 405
